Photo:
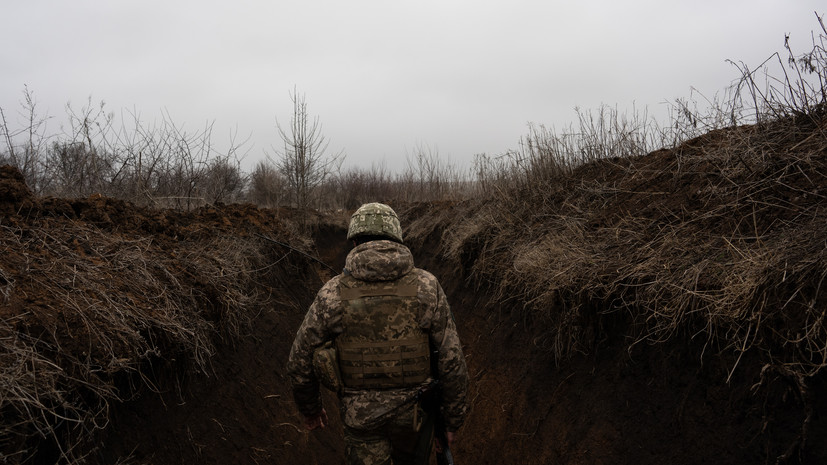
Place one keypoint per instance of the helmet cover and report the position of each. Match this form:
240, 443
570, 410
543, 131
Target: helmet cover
375, 219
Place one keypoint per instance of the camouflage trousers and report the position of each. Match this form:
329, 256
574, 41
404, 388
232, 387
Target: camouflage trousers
405, 439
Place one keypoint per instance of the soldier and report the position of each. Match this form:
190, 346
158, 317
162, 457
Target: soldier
393, 334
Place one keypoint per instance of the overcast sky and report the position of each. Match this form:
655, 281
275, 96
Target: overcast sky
384, 77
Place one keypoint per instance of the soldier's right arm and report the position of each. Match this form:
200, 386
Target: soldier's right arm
315, 330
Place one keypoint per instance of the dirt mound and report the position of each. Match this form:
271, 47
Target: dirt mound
667, 307
14, 193
103, 302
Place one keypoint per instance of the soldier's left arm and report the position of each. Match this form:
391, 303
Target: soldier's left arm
453, 371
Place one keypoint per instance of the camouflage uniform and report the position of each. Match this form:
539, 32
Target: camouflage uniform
381, 423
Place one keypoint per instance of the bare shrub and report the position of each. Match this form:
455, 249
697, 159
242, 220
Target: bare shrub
547, 156
427, 177
267, 187
75, 171
356, 186
158, 164
223, 181
26, 155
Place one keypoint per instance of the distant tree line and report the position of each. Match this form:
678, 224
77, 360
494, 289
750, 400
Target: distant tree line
161, 164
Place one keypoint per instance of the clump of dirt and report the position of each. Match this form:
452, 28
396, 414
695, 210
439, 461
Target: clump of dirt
13, 191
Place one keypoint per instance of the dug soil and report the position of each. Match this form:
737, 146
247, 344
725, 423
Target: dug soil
653, 404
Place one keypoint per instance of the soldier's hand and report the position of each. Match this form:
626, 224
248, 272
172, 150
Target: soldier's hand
450, 438
316, 421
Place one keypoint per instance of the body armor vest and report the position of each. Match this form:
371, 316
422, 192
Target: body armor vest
382, 345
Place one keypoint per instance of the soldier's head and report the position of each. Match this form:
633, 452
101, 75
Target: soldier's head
373, 221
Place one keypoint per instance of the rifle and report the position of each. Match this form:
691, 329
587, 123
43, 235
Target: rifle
431, 399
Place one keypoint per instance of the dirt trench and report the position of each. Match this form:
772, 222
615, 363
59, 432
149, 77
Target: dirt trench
617, 405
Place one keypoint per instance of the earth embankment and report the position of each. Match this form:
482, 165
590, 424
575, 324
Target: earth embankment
664, 308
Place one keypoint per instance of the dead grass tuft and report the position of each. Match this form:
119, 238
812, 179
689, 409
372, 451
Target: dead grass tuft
85, 312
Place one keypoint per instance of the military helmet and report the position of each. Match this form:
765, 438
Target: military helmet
375, 219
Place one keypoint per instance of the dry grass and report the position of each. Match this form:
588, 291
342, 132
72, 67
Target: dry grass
722, 239
719, 237
84, 312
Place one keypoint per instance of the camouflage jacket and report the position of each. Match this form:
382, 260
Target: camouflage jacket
379, 261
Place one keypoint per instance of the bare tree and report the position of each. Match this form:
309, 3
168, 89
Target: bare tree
302, 160
26, 154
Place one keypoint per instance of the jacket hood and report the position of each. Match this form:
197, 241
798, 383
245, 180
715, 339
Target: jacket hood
379, 261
